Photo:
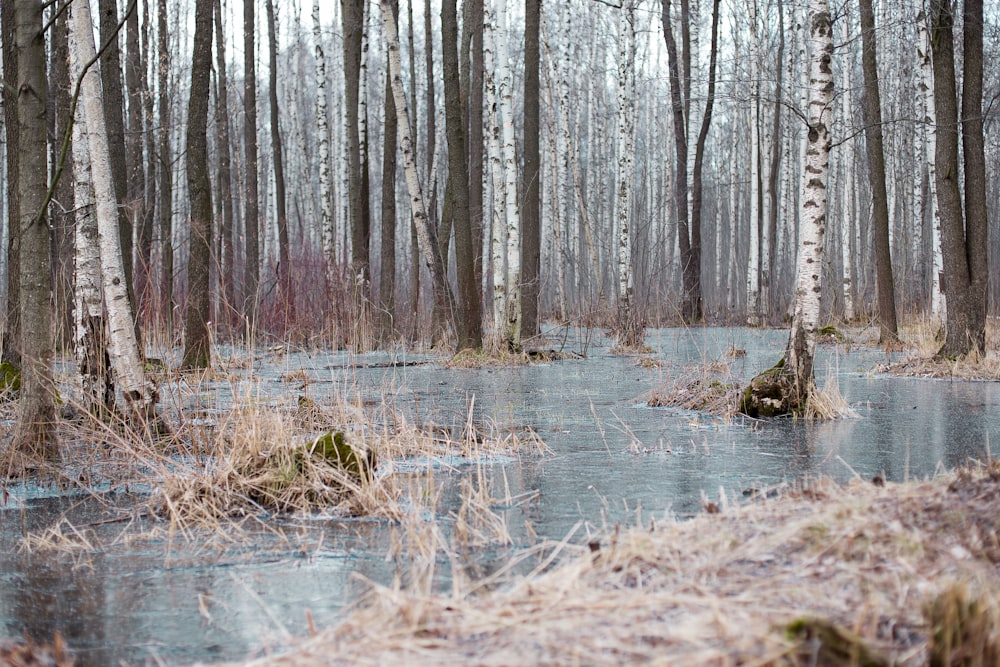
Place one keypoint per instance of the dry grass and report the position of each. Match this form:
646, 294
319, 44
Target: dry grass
823, 575
709, 388
264, 460
923, 335
29, 653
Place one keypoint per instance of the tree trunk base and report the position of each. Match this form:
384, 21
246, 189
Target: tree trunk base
772, 394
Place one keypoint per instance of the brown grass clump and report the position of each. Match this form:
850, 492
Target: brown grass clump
823, 575
709, 388
29, 653
264, 460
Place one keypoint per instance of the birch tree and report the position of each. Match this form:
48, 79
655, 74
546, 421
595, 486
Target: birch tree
327, 224
126, 360
786, 388
426, 234
506, 240
629, 327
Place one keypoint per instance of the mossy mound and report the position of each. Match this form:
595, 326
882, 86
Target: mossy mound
10, 378
333, 449
770, 394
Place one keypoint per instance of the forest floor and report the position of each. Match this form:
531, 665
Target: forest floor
870, 573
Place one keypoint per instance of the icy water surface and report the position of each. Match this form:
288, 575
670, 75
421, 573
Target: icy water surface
167, 600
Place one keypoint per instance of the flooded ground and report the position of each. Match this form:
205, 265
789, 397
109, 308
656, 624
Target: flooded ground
163, 599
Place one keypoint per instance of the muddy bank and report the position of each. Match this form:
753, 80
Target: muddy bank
821, 574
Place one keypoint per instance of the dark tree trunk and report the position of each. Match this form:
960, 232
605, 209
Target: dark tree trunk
34, 432
679, 105
531, 210
166, 185
285, 295
61, 215
12, 328
251, 269
135, 196
692, 308
114, 110
973, 150
469, 321
767, 285
472, 83
387, 276
144, 253
963, 242
876, 177
225, 187
431, 97
197, 350
353, 18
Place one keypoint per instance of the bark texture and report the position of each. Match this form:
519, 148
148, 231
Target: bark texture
963, 228
786, 388
876, 178
197, 337
34, 431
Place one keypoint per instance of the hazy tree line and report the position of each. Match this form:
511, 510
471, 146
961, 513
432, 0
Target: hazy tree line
625, 164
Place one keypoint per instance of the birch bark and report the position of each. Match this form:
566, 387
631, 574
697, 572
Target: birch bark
792, 378
138, 391
629, 329
323, 132
90, 342
426, 234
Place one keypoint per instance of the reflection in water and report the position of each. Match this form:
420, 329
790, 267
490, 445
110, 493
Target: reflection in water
611, 455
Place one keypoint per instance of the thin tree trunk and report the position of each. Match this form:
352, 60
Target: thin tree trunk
876, 177
165, 186
135, 194
629, 327
387, 274
114, 109
285, 294
251, 269
693, 308
926, 88
424, 229
225, 169
197, 338
327, 223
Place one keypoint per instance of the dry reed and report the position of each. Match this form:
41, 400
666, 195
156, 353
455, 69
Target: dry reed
822, 575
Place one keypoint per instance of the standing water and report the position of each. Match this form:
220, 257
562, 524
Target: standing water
169, 600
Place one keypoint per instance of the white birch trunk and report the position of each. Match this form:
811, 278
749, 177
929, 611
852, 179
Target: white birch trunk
511, 214
753, 252
938, 303
126, 360
809, 273
97, 388
623, 202
497, 226
846, 169
323, 132
426, 235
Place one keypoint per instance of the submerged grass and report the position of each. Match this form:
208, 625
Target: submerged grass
822, 575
